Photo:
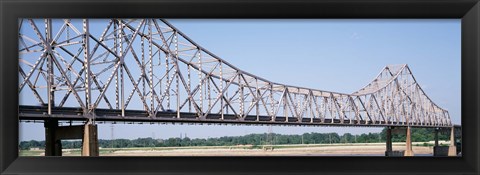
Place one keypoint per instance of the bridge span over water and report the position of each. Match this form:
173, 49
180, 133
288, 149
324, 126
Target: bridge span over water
146, 70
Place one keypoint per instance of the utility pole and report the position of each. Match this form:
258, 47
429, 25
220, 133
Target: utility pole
111, 135
269, 137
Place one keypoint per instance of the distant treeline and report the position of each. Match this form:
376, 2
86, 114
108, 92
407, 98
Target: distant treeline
418, 135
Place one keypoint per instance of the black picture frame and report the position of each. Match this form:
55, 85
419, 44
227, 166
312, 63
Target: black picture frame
466, 10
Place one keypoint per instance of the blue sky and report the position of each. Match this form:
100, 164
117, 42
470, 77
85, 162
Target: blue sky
333, 55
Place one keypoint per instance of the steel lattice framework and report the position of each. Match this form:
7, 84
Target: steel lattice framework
120, 65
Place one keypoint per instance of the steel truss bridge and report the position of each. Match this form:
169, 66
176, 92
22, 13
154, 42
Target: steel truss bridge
148, 70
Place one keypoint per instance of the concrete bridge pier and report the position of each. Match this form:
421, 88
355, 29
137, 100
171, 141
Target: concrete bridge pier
90, 140
437, 150
408, 143
54, 134
53, 145
452, 149
389, 148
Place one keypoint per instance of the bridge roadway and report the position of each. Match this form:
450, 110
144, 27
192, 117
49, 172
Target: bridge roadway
76, 114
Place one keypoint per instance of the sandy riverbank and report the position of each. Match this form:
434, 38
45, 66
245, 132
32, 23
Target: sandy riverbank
368, 149
305, 150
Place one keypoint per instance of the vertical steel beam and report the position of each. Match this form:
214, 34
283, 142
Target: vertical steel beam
167, 76
177, 75
189, 87
150, 56
272, 104
160, 104
122, 66
200, 76
209, 91
242, 100
143, 66
50, 69
257, 99
221, 91
86, 48
116, 48
285, 111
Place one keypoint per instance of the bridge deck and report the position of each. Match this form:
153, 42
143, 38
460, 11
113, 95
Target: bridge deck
76, 114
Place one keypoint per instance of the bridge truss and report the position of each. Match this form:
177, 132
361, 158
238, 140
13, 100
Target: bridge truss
146, 69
